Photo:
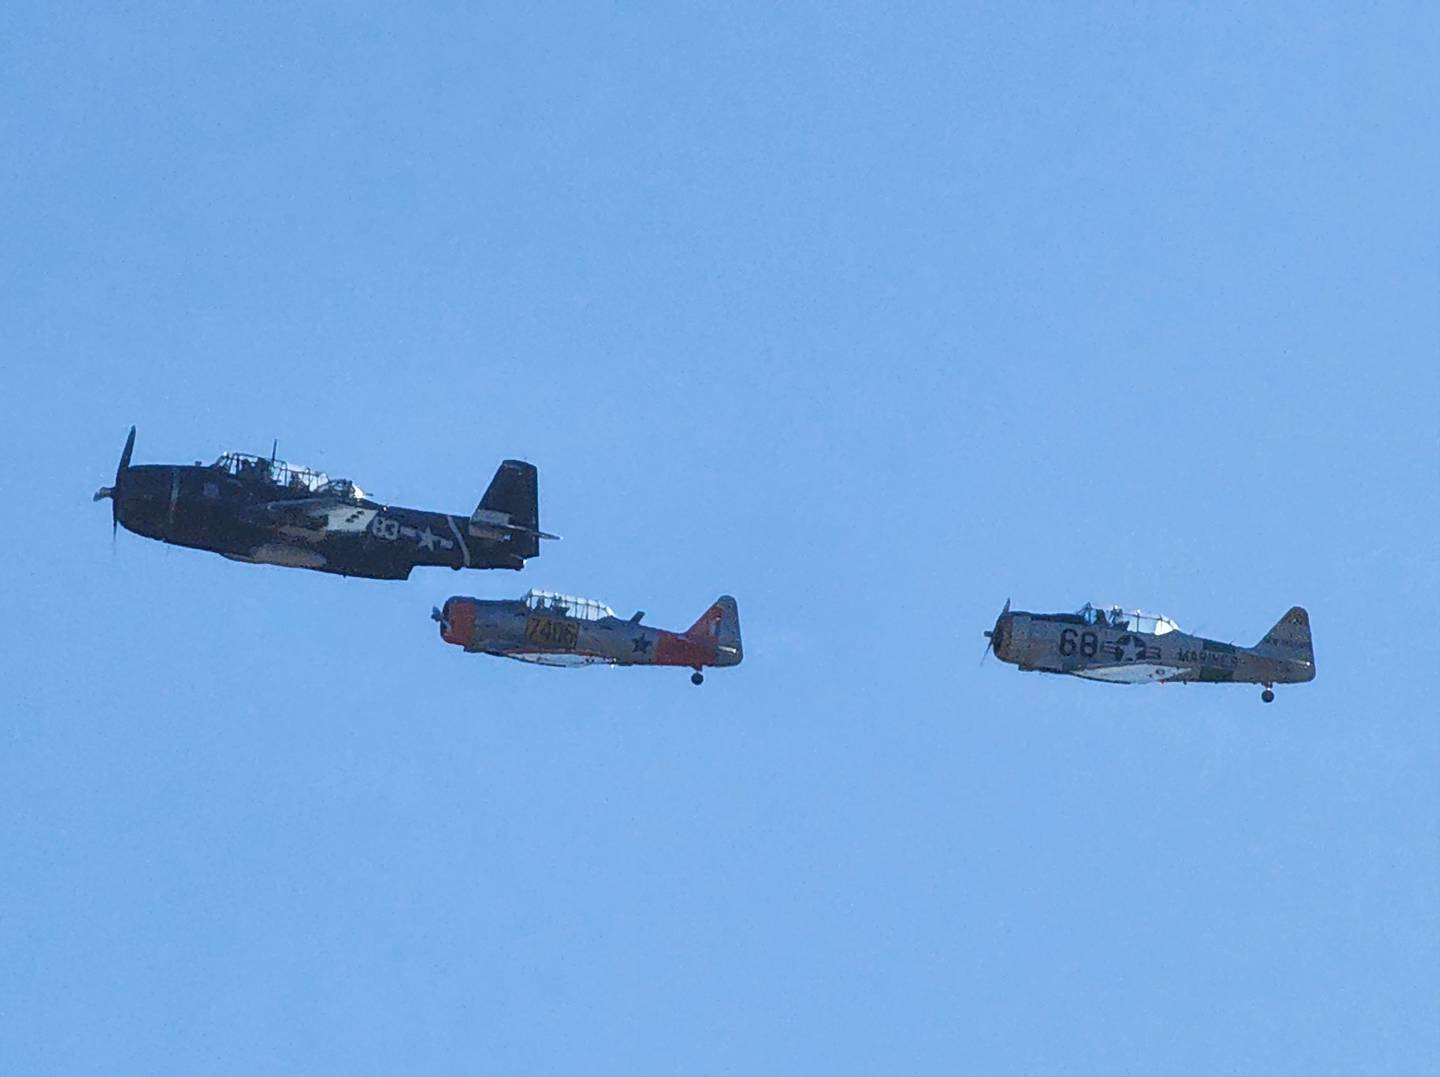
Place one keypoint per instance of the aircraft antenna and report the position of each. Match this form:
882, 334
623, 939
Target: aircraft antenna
274, 448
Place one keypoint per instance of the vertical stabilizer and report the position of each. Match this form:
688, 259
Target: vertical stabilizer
1289, 639
720, 624
510, 510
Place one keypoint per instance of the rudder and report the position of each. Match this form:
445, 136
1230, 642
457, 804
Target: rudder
510, 509
514, 491
1290, 638
720, 623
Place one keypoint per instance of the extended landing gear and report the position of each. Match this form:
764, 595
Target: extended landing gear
697, 677
1267, 696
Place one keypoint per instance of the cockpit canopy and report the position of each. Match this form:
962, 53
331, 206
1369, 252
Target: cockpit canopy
299, 481
558, 605
1135, 621
343, 489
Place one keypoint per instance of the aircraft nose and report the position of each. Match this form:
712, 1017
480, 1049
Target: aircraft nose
1000, 635
143, 498
457, 621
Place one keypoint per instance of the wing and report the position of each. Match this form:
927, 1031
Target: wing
1131, 672
307, 513
298, 507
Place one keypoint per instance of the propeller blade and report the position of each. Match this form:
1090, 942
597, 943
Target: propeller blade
125, 456
119, 479
990, 636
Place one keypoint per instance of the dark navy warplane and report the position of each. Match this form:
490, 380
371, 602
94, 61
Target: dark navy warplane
265, 511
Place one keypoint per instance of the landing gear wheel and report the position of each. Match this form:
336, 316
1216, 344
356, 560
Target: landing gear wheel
697, 677
1267, 696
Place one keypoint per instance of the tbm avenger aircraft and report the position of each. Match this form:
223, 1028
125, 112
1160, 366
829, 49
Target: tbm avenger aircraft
562, 630
1137, 648
265, 511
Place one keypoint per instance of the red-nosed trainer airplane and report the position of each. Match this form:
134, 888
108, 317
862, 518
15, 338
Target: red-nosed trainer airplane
562, 630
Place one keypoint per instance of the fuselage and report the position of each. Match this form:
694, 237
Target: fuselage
556, 634
1119, 653
208, 508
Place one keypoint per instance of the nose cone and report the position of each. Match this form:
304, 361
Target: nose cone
1001, 636
457, 621
142, 502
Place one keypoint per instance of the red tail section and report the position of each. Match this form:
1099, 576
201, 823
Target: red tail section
719, 627
708, 626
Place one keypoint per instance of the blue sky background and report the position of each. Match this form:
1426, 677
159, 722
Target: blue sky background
869, 317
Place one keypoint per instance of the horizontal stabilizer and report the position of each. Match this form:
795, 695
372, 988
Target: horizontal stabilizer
498, 526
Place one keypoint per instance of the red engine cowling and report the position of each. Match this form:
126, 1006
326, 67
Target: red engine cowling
457, 622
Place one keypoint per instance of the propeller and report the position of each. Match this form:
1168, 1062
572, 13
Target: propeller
114, 492
990, 634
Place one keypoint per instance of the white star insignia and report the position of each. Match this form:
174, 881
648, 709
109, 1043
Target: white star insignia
427, 538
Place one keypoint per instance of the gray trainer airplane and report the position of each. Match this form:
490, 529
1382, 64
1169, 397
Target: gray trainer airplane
1140, 648
563, 630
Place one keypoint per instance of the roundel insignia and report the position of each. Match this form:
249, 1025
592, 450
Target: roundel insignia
1129, 649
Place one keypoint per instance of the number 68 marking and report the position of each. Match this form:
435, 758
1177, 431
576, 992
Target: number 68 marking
1089, 643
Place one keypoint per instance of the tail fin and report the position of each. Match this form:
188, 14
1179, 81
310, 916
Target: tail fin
1289, 639
510, 510
720, 623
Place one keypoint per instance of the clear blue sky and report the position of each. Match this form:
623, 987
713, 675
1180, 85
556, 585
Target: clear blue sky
869, 317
